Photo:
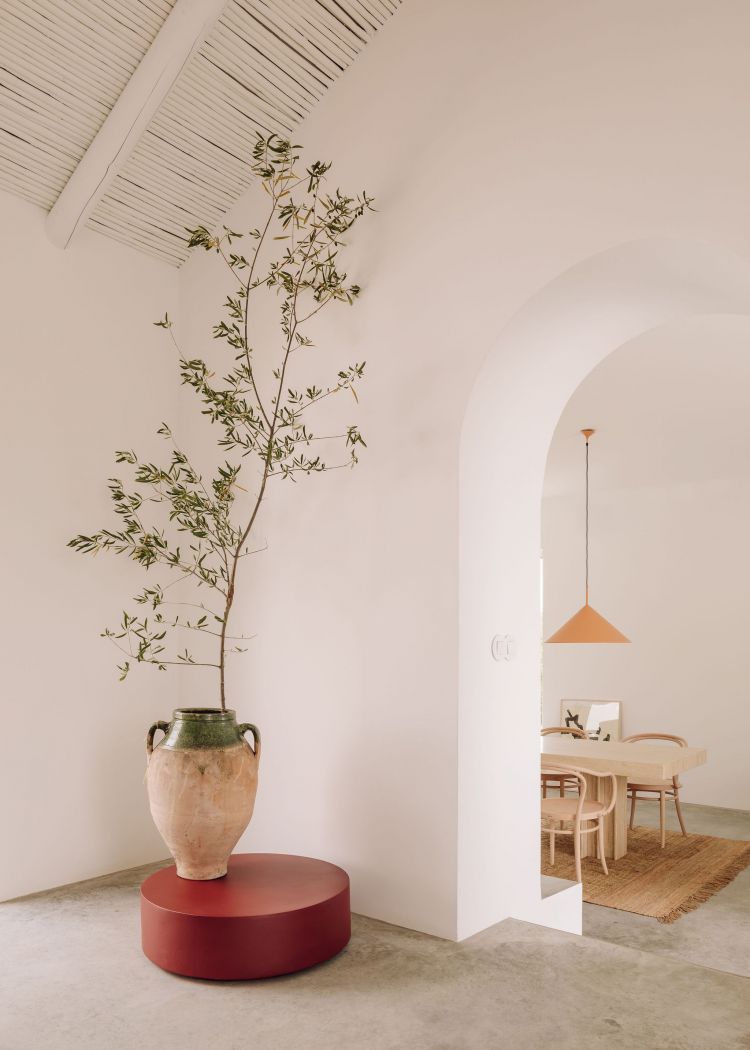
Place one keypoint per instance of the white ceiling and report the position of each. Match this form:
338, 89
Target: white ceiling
62, 68
64, 63
669, 408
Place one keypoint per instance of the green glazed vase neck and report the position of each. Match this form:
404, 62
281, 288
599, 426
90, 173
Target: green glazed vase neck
201, 727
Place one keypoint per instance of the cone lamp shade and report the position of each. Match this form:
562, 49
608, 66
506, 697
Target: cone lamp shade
587, 625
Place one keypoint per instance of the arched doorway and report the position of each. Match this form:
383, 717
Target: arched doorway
538, 360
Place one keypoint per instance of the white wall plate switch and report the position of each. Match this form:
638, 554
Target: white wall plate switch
502, 647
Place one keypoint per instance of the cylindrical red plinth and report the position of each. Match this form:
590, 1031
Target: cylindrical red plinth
270, 914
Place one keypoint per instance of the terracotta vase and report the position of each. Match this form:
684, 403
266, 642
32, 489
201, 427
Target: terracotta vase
202, 779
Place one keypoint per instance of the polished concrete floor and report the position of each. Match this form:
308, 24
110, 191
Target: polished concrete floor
73, 977
718, 933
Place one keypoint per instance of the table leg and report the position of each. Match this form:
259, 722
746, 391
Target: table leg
615, 823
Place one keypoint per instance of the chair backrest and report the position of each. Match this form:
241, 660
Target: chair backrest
579, 773
571, 730
658, 736
654, 736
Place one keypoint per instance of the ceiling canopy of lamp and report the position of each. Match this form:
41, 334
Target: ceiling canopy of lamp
587, 625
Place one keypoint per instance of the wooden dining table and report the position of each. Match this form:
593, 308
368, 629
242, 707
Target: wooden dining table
644, 763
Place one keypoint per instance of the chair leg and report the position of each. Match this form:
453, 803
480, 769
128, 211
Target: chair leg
663, 818
562, 787
544, 789
552, 848
577, 852
600, 845
632, 810
679, 812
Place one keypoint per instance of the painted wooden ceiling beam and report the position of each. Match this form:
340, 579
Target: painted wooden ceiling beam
183, 32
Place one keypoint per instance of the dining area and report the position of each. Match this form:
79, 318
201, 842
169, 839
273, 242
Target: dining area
645, 799
607, 779
606, 802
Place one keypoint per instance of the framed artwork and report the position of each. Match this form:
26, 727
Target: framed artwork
599, 719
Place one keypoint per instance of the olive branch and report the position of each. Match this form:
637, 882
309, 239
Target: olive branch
265, 428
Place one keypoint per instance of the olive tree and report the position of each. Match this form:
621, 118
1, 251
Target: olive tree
171, 516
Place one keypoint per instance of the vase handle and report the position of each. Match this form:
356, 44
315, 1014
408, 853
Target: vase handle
164, 726
242, 729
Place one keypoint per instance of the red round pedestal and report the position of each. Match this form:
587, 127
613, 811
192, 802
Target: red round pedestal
270, 914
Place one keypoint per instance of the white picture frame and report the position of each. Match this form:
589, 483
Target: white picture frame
599, 719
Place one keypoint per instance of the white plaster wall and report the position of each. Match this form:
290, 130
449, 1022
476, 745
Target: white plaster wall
670, 513
505, 143
84, 373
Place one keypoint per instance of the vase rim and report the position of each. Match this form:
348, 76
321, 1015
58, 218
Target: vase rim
204, 714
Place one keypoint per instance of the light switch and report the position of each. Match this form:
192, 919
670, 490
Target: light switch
502, 647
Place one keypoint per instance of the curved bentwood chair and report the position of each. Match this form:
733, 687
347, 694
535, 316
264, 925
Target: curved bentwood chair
553, 779
578, 811
664, 790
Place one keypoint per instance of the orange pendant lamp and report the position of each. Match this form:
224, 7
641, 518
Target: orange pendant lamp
587, 625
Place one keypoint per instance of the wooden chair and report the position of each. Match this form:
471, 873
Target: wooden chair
552, 779
665, 789
578, 811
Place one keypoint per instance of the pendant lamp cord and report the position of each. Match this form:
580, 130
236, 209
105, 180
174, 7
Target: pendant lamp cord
587, 521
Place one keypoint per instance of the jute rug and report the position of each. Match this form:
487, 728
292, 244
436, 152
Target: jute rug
662, 883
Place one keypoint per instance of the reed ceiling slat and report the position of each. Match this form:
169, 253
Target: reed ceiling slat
264, 65
63, 65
